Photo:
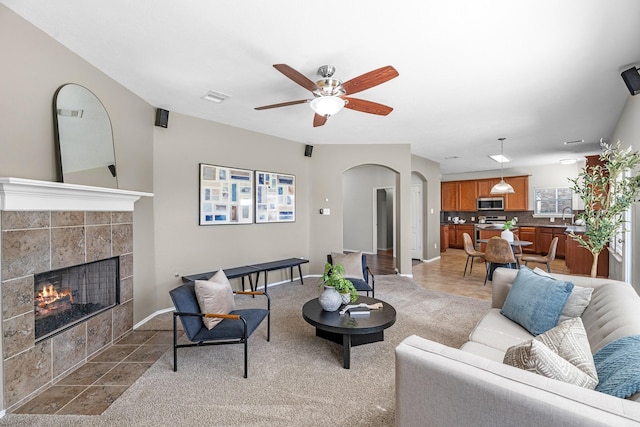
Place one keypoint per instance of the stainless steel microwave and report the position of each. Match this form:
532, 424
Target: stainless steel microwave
490, 204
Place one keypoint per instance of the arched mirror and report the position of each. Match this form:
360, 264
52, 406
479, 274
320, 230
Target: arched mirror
84, 139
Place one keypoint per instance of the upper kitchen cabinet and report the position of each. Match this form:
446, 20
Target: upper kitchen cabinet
458, 196
485, 186
518, 201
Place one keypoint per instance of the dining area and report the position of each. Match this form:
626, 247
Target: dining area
505, 252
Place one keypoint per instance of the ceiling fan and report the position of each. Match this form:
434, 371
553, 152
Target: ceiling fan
331, 95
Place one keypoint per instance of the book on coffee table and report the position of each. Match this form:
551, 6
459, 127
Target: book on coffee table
359, 312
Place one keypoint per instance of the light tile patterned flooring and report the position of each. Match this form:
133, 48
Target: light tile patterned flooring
90, 389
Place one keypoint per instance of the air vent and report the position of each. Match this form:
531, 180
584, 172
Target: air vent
577, 141
215, 96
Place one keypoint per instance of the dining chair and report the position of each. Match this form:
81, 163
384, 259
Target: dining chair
498, 253
471, 252
551, 255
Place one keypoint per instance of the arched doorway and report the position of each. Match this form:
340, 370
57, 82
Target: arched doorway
370, 209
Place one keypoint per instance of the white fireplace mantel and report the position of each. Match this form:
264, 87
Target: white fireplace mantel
18, 194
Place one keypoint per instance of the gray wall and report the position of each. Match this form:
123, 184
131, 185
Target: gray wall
429, 172
167, 239
34, 67
358, 199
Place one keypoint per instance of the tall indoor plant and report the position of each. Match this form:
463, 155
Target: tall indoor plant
607, 193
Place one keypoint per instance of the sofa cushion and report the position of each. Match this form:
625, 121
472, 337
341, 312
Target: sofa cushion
536, 357
496, 331
215, 296
536, 302
577, 301
618, 366
569, 341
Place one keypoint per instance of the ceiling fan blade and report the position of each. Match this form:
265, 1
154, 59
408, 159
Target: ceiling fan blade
282, 104
370, 79
367, 106
296, 76
319, 120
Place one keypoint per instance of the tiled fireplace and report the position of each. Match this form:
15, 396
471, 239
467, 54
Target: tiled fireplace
48, 227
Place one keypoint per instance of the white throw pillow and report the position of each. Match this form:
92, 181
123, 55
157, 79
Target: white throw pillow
576, 303
352, 263
214, 296
562, 353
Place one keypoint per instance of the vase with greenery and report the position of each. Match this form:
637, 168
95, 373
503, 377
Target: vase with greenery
607, 191
334, 277
507, 234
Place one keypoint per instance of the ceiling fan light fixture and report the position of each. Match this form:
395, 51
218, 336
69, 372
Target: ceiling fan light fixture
502, 187
327, 106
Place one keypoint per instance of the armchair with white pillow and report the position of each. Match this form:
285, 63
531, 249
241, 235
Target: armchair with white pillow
356, 270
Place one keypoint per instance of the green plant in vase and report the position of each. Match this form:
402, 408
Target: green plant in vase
607, 191
334, 277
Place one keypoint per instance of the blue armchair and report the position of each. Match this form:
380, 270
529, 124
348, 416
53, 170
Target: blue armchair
235, 327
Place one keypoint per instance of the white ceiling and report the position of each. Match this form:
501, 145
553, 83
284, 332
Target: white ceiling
538, 72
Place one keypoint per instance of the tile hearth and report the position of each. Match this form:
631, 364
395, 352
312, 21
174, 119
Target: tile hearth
93, 387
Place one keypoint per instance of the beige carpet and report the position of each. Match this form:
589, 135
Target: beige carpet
297, 379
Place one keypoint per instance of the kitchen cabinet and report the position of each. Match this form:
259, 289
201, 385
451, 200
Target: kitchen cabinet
449, 196
455, 235
579, 259
529, 234
485, 186
444, 237
458, 196
544, 236
518, 201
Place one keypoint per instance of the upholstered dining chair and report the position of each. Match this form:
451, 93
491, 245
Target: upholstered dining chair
498, 253
234, 327
356, 270
551, 255
471, 252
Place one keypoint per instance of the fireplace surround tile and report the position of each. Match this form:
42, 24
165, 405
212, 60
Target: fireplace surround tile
38, 241
99, 332
67, 218
67, 247
98, 218
122, 238
17, 297
69, 349
16, 220
98, 242
25, 252
27, 372
18, 333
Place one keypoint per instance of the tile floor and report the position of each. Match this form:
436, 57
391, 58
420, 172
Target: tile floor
90, 389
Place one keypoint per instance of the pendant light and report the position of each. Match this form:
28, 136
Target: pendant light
502, 187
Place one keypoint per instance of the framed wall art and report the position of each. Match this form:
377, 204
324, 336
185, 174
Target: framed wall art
275, 197
226, 195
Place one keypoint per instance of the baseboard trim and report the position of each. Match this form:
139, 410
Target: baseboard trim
432, 259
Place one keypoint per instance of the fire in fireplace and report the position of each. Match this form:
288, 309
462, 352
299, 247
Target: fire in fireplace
70, 295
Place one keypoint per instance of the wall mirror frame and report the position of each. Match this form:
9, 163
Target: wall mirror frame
83, 138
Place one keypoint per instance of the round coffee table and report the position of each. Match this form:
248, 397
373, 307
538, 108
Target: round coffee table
347, 330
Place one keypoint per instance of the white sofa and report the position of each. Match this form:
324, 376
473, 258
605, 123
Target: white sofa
438, 385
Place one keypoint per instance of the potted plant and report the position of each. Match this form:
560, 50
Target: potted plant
607, 192
507, 234
333, 278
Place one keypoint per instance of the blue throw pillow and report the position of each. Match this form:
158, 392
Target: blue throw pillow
618, 367
535, 302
